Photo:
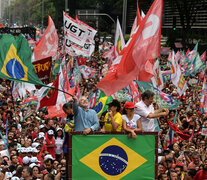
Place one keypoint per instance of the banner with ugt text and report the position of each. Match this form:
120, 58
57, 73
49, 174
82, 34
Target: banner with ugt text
78, 37
43, 70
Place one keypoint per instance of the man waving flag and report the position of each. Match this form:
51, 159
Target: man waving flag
137, 56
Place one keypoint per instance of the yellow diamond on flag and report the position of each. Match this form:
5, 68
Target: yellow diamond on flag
113, 160
13, 67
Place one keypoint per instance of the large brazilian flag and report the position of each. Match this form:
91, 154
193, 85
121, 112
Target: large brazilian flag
113, 157
15, 60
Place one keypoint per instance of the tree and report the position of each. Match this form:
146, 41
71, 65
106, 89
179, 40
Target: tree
188, 11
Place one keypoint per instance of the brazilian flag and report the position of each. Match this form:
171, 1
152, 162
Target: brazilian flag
15, 60
99, 157
101, 106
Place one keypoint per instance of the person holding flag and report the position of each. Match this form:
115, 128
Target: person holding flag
86, 120
146, 110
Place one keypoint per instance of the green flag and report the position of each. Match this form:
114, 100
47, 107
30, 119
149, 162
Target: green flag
101, 106
113, 157
15, 60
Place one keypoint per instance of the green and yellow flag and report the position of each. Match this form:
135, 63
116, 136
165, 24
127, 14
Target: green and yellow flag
101, 106
15, 60
113, 157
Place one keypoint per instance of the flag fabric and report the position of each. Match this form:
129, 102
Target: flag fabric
137, 20
101, 105
136, 59
119, 39
135, 93
43, 69
157, 79
15, 60
178, 131
203, 56
48, 96
77, 73
78, 36
177, 77
92, 99
113, 157
110, 55
171, 132
162, 101
48, 45
56, 111
203, 100
87, 71
198, 64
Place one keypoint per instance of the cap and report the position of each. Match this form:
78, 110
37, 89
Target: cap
33, 165
114, 103
1, 142
35, 144
41, 135
26, 160
59, 129
50, 132
129, 105
15, 178
34, 160
48, 156
41, 126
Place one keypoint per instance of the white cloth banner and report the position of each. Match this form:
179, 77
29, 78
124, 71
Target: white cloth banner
79, 37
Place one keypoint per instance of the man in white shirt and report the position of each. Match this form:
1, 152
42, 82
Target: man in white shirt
146, 110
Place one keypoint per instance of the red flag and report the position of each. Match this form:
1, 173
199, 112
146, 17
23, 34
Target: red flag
50, 95
48, 45
56, 111
203, 56
178, 131
137, 56
187, 52
135, 93
70, 91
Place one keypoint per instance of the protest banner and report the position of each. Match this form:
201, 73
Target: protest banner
43, 70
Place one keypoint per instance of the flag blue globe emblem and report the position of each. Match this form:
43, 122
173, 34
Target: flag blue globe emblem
98, 107
14, 69
113, 160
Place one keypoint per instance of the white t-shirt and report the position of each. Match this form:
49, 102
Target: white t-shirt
59, 145
143, 110
131, 124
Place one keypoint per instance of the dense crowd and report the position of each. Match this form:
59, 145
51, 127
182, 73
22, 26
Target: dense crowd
32, 145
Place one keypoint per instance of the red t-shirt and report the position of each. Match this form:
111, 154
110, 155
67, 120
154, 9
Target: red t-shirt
20, 160
200, 175
51, 141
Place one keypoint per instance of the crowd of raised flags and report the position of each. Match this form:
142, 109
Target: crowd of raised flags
121, 72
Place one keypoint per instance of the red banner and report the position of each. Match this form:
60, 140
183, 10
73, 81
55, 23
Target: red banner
43, 70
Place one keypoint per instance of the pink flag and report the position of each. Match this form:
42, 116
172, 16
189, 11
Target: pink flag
135, 93
48, 45
136, 59
203, 56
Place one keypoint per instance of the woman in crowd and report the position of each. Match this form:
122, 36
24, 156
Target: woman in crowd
131, 121
59, 139
113, 118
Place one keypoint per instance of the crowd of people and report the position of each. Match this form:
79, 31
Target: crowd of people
32, 144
